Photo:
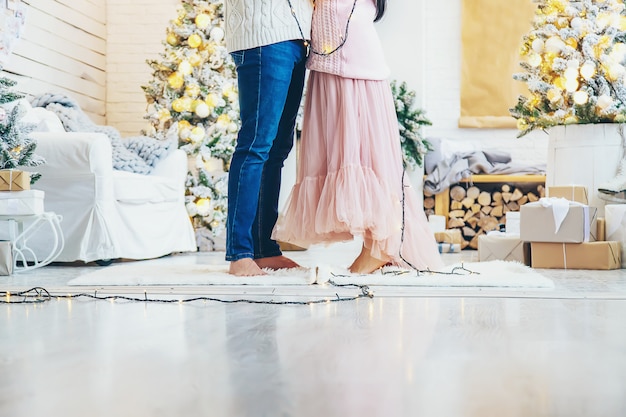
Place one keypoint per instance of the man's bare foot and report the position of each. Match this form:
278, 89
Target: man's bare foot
276, 262
245, 267
365, 263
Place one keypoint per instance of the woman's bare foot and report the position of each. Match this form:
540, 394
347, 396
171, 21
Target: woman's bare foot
365, 263
245, 267
276, 262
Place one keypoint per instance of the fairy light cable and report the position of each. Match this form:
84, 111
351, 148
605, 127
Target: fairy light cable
37, 295
309, 45
454, 271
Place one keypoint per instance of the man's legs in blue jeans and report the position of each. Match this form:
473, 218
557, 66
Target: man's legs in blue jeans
270, 81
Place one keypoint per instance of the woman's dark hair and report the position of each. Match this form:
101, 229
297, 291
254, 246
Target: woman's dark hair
381, 6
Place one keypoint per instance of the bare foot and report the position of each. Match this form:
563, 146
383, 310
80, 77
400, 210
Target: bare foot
365, 263
276, 262
245, 267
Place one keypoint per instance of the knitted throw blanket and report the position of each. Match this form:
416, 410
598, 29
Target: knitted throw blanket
135, 154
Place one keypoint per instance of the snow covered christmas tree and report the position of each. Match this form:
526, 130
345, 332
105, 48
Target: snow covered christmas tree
193, 96
410, 121
574, 65
16, 147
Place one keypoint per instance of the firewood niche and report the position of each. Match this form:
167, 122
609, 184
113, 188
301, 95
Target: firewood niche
478, 204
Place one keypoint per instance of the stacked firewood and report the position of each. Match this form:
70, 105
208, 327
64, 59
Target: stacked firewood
476, 211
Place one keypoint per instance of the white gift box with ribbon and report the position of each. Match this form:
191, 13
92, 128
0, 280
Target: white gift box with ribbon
555, 220
21, 203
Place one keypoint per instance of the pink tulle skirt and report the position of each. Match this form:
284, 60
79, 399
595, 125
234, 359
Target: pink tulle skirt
350, 177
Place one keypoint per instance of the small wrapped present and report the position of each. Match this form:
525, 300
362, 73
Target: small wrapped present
14, 180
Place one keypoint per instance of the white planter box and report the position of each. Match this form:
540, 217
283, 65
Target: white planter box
615, 226
21, 203
584, 155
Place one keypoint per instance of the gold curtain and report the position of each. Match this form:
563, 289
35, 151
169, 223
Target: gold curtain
492, 33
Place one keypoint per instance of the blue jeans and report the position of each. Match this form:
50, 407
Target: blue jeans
270, 80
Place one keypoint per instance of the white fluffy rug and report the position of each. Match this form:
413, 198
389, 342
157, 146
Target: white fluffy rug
483, 274
148, 274
501, 274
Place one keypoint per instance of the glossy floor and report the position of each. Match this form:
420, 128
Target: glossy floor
404, 352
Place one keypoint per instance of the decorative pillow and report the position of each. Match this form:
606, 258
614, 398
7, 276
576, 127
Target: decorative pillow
44, 120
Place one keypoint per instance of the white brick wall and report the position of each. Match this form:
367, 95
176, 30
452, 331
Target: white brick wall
442, 87
422, 44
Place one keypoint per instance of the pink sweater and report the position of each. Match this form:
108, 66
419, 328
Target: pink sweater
362, 56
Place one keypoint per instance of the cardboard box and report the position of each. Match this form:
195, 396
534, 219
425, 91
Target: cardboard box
601, 229
577, 193
21, 203
615, 226
504, 247
588, 255
538, 224
14, 180
449, 236
6, 257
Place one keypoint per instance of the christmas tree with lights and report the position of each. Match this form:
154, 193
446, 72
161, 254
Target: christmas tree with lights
16, 147
574, 65
193, 96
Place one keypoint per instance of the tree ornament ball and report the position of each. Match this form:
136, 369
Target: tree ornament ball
203, 20
195, 60
197, 134
194, 40
185, 68
175, 80
202, 110
217, 34
172, 39
178, 105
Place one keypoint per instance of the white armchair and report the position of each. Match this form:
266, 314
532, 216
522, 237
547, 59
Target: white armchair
106, 213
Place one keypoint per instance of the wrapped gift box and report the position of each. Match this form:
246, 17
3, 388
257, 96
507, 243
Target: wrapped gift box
449, 236
14, 180
504, 247
615, 226
6, 257
601, 229
577, 193
21, 203
538, 224
587, 255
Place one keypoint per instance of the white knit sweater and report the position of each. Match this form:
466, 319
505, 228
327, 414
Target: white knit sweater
253, 23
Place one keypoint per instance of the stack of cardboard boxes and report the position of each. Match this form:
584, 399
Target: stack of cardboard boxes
560, 231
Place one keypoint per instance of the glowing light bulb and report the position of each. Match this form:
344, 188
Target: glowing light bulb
581, 97
571, 85
588, 70
534, 60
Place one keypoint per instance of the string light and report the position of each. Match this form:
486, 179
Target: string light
37, 295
